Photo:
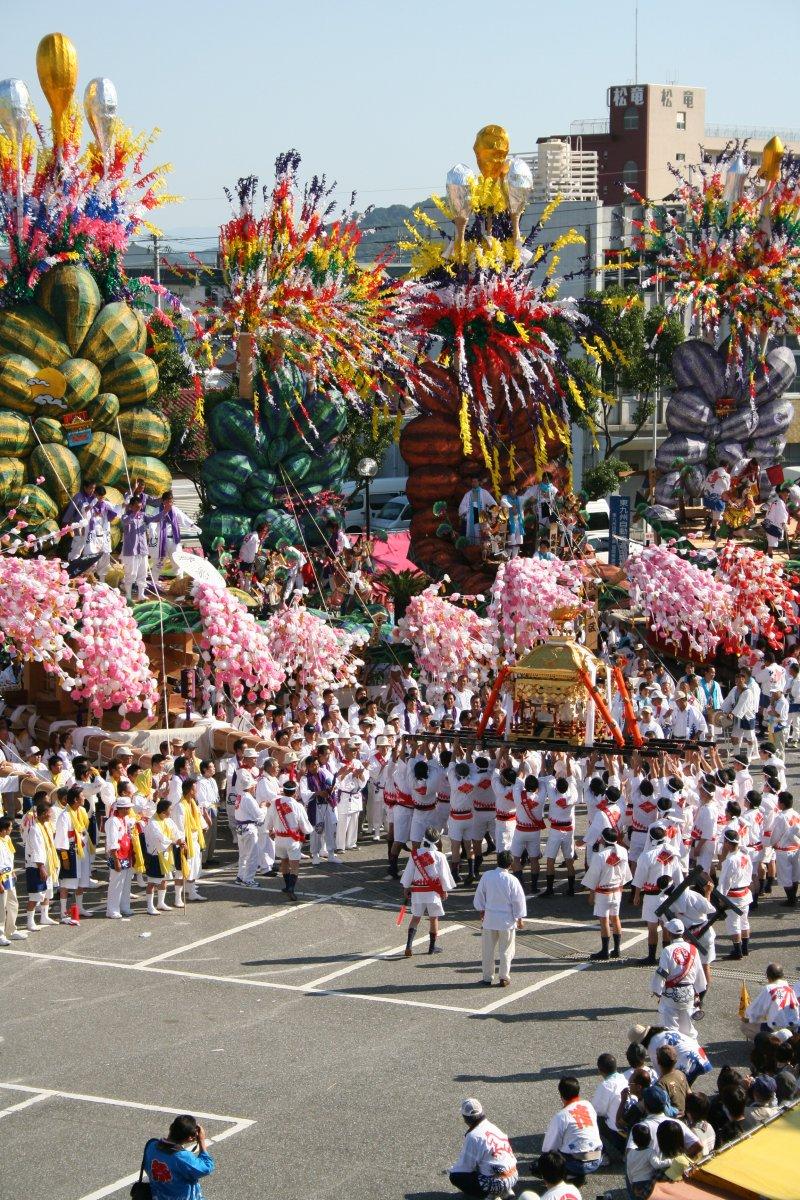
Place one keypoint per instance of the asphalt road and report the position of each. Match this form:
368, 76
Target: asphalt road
327, 1064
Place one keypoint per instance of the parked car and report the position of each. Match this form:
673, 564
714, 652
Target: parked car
381, 491
395, 515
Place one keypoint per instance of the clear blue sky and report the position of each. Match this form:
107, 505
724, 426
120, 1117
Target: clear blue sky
384, 95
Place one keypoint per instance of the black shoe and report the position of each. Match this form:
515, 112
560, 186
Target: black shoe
490, 846
615, 954
599, 956
735, 954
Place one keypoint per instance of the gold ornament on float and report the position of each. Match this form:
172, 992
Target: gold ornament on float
491, 151
57, 68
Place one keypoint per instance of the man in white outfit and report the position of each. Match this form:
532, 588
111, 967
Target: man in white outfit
678, 980
500, 900
249, 816
119, 849
427, 880
486, 1165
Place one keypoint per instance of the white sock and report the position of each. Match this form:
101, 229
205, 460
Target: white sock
151, 903
178, 895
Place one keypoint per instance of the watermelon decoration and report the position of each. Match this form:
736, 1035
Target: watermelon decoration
99, 350
290, 457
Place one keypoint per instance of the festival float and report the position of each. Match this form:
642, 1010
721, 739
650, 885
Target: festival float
75, 378
729, 259
315, 335
496, 388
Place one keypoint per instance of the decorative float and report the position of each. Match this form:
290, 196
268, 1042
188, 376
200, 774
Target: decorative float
75, 378
495, 398
732, 260
315, 334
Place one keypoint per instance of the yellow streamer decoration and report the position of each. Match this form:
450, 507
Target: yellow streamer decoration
484, 450
512, 462
374, 423
463, 421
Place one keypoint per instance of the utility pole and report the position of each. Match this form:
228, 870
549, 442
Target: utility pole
157, 268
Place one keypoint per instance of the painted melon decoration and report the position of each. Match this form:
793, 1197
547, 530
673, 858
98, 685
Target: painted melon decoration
48, 429
30, 331
16, 436
152, 471
34, 505
116, 499
115, 331
12, 476
70, 295
16, 373
144, 432
103, 460
60, 468
133, 377
105, 410
99, 349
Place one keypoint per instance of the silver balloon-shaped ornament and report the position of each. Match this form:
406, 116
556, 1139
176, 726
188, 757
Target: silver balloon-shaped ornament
100, 105
14, 108
457, 185
519, 186
15, 105
735, 179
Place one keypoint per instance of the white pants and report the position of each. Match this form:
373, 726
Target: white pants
248, 852
402, 822
497, 943
168, 560
9, 907
119, 891
134, 568
677, 1016
426, 903
563, 840
420, 822
441, 815
287, 848
101, 567
374, 808
347, 830
735, 924
504, 834
482, 823
230, 809
606, 904
266, 848
326, 838
787, 864
530, 840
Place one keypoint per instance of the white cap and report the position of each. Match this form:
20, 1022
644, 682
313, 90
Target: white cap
382, 741
471, 1108
33, 750
675, 926
249, 753
126, 750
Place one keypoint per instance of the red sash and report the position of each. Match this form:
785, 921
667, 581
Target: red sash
426, 884
683, 961
282, 809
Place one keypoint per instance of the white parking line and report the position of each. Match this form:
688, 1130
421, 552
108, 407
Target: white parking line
543, 983
12, 1108
35, 1095
376, 957
275, 915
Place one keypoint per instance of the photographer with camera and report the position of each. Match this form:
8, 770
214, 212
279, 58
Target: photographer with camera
175, 1164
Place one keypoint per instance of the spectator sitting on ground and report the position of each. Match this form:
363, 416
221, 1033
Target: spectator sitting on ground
637, 1059
671, 1079
606, 1102
729, 1080
671, 1160
573, 1131
553, 1170
785, 1072
696, 1118
631, 1106
738, 1121
763, 1103
658, 1109
639, 1170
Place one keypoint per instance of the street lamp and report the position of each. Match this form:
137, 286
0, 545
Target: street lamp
367, 469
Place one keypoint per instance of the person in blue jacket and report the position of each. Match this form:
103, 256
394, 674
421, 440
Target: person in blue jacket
176, 1164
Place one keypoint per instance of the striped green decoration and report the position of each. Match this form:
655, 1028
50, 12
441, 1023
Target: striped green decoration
16, 435
12, 476
144, 432
30, 331
72, 298
48, 429
60, 468
16, 373
103, 460
153, 471
133, 377
115, 330
83, 382
103, 412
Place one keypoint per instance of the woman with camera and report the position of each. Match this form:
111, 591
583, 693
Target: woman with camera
176, 1164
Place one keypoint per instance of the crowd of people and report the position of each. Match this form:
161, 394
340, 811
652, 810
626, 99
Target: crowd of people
693, 835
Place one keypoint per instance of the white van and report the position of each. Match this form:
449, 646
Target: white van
380, 491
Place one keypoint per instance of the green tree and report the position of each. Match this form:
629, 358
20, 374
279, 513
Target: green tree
365, 437
629, 351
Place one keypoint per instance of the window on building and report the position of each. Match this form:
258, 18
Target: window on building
680, 120
630, 173
631, 119
680, 158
